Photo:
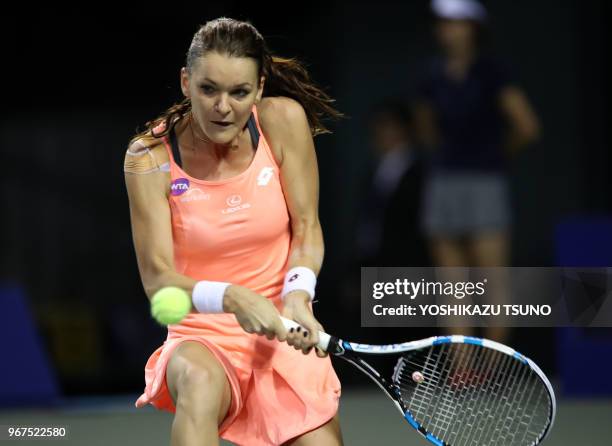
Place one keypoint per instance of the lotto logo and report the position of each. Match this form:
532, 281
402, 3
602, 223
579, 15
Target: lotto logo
264, 176
294, 277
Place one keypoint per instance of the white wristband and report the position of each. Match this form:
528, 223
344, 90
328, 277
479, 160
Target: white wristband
300, 278
207, 296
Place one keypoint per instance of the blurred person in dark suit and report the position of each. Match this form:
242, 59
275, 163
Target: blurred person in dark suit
473, 115
389, 232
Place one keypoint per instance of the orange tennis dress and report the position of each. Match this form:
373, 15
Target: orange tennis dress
237, 230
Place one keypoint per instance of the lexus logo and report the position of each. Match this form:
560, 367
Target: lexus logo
233, 200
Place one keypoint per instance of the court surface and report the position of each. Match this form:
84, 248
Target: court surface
367, 418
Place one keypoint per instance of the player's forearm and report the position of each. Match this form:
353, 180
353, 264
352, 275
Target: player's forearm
154, 280
169, 277
307, 247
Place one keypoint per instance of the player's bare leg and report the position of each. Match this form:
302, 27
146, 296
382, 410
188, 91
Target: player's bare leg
201, 393
328, 434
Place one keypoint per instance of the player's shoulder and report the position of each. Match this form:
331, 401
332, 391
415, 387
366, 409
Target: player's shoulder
281, 111
282, 119
143, 142
145, 153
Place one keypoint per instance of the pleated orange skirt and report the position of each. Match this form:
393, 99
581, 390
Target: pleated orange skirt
278, 393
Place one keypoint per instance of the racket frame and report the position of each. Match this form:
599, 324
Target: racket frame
351, 351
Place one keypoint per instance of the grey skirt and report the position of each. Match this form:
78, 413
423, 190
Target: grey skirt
465, 203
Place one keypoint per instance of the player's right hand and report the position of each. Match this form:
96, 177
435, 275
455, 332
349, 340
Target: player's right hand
254, 313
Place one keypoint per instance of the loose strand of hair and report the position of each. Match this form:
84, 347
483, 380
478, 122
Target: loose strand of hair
167, 118
288, 77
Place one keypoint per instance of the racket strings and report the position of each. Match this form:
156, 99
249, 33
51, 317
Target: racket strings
481, 366
485, 432
472, 395
506, 424
492, 430
468, 398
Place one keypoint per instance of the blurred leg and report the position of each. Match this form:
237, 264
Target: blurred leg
491, 249
451, 252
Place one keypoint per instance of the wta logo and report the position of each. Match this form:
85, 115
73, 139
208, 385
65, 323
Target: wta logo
179, 186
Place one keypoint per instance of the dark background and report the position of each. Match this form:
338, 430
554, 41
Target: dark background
78, 82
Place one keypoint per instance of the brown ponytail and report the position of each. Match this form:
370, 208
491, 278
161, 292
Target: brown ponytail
284, 77
288, 77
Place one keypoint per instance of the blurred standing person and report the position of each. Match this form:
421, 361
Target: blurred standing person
389, 232
473, 115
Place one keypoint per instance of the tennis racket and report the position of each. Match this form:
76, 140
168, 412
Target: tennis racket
459, 390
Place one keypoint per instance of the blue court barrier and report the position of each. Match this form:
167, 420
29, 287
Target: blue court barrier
584, 355
26, 375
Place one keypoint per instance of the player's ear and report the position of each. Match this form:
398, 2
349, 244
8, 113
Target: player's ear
260, 87
185, 82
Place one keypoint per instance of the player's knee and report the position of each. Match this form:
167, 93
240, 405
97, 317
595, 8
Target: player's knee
197, 384
201, 395
196, 379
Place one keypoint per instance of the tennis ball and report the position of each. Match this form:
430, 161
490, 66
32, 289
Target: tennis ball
170, 305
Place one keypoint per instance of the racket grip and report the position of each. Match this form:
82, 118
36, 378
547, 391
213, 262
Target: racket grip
324, 338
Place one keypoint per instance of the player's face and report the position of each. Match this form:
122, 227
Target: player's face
223, 90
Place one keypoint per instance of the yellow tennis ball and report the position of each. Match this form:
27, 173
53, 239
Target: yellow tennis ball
170, 305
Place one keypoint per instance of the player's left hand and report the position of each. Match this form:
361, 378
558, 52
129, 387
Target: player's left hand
297, 308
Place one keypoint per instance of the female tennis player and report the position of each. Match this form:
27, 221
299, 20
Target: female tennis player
223, 191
